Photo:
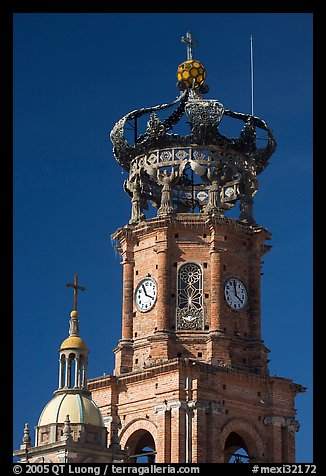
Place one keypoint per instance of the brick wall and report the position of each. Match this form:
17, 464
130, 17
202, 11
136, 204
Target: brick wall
191, 390
224, 249
218, 401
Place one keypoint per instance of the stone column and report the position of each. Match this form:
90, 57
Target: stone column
199, 432
191, 428
259, 353
288, 444
67, 374
254, 288
113, 425
163, 419
61, 372
127, 297
163, 285
85, 372
217, 343
215, 291
160, 340
77, 372
124, 351
275, 423
178, 409
215, 454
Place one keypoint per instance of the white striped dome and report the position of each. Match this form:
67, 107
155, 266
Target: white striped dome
80, 408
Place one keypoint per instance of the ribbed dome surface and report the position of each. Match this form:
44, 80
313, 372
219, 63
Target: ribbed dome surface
73, 342
80, 408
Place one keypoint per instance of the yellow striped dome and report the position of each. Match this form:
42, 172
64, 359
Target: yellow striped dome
80, 408
73, 342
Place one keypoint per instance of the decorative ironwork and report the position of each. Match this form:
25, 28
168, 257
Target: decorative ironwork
204, 116
189, 311
202, 171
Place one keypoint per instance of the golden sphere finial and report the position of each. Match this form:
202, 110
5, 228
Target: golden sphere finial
74, 314
191, 74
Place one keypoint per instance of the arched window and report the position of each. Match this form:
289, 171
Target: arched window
141, 447
190, 312
236, 450
70, 370
62, 363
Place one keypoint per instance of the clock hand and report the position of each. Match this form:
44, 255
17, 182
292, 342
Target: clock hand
235, 289
238, 298
143, 286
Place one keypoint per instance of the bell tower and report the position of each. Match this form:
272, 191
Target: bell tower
192, 290
191, 381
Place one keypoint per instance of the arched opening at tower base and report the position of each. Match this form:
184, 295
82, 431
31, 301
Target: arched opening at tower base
235, 450
141, 447
240, 437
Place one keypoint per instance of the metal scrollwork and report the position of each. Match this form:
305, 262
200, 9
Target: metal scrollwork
189, 310
202, 172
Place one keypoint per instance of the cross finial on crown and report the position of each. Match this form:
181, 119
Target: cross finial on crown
190, 42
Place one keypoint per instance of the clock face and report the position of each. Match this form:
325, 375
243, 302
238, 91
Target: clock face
145, 294
235, 294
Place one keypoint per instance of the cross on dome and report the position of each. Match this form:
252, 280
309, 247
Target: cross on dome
76, 289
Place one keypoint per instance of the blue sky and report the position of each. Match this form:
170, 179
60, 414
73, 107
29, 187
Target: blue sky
75, 75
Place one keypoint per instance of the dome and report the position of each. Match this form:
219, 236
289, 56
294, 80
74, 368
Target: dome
80, 408
73, 342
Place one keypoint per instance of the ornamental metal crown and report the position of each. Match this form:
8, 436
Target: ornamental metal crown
201, 171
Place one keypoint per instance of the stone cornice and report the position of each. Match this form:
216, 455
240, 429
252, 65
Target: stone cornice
282, 421
175, 364
153, 224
